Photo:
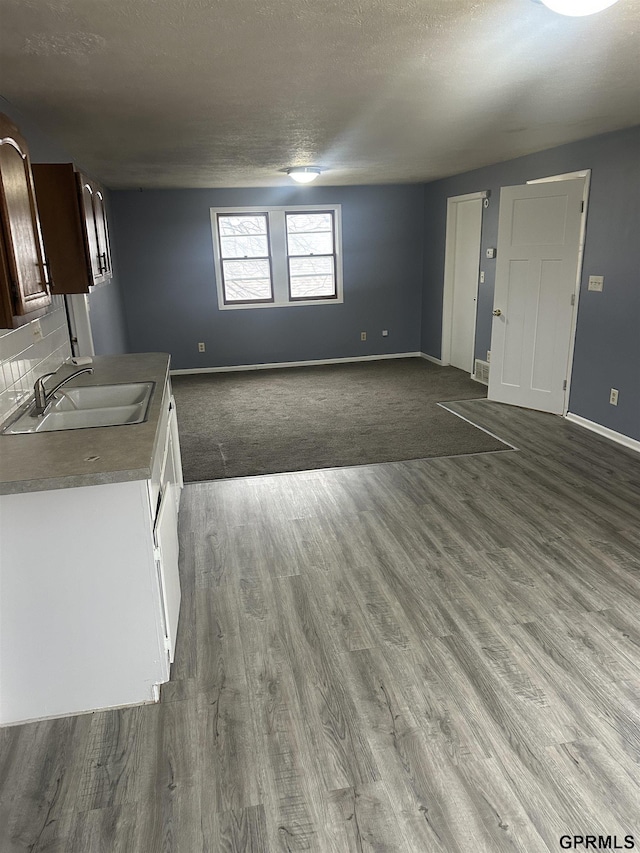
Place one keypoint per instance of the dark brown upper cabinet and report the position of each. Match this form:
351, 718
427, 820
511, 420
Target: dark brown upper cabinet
74, 227
24, 281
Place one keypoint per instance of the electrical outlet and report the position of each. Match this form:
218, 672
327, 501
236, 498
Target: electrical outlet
481, 276
363, 336
201, 347
613, 397
596, 282
385, 333
36, 330
488, 355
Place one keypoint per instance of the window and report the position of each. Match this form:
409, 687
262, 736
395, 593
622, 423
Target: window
277, 256
245, 259
311, 255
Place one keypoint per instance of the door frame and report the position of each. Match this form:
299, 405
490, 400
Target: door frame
449, 274
567, 176
79, 322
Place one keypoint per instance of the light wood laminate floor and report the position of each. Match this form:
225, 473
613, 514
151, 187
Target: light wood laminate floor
415, 657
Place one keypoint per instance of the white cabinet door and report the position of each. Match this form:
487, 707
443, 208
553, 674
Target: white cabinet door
166, 536
175, 460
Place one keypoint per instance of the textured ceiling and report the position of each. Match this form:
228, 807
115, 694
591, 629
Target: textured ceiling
227, 93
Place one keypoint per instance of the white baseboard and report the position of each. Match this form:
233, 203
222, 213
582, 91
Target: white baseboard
278, 364
431, 358
605, 432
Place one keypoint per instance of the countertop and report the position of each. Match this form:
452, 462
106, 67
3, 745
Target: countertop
94, 456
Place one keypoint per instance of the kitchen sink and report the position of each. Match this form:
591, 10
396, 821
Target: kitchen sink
84, 406
102, 396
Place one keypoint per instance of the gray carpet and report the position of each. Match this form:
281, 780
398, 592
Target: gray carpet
295, 419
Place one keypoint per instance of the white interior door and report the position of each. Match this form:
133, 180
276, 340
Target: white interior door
536, 273
464, 228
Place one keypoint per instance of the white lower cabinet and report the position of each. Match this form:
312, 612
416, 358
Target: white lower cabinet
90, 591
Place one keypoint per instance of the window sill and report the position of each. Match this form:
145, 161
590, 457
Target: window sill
296, 304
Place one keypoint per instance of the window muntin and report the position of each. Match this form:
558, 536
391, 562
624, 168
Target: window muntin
297, 273
245, 258
311, 260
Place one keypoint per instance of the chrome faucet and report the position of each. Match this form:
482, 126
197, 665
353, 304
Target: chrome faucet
43, 397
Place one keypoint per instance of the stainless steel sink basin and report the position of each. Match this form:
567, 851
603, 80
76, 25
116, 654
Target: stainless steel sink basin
84, 406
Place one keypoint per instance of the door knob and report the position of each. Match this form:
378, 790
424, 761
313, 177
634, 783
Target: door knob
497, 313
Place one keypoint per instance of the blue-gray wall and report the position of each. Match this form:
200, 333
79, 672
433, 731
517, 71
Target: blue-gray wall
105, 301
607, 349
165, 254
393, 244
106, 312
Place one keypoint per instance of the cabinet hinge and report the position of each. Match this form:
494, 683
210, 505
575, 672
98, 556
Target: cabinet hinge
573, 299
14, 289
157, 554
564, 385
582, 207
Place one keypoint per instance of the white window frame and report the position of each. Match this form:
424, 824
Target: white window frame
277, 232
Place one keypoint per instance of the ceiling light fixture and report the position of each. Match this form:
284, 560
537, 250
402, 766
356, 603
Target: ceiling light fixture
303, 174
578, 8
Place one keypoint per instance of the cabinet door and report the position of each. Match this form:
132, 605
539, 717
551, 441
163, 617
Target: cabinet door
166, 536
176, 456
26, 289
74, 226
91, 236
62, 219
102, 233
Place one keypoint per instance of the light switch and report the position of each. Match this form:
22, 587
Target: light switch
596, 282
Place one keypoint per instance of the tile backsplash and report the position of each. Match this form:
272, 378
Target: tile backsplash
29, 351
